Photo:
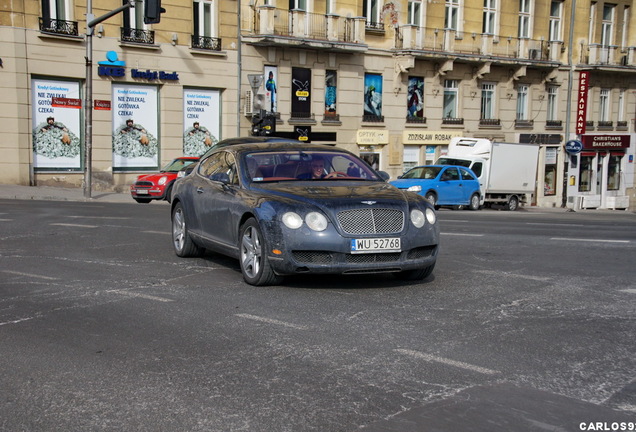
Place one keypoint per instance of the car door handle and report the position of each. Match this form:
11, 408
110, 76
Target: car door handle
199, 190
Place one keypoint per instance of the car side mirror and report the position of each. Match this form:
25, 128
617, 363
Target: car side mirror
384, 175
220, 177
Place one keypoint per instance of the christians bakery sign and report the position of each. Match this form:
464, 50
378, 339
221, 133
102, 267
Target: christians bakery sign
605, 142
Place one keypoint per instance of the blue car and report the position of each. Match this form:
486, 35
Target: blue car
443, 185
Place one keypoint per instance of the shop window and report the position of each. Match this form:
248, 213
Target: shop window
549, 181
585, 173
614, 172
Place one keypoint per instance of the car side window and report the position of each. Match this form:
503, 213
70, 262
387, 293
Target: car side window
450, 174
220, 166
466, 175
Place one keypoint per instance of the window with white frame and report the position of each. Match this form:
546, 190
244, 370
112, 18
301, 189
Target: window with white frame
625, 26
551, 110
524, 18
621, 105
56, 9
415, 12
604, 105
487, 101
522, 101
205, 18
556, 16
451, 17
490, 16
607, 25
451, 99
298, 4
371, 10
592, 27
134, 17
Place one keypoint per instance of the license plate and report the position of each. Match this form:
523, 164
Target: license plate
142, 191
376, 245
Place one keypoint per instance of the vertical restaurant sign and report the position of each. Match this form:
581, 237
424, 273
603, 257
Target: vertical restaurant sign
301, 92
135, 126
201, 120
581, 104
56, 127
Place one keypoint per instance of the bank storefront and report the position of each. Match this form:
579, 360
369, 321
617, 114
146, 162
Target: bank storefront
601, 171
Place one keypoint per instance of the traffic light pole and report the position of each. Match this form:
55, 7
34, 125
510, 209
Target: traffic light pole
91, 22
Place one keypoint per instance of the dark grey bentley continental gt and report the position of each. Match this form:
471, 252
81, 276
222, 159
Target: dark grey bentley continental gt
285, 208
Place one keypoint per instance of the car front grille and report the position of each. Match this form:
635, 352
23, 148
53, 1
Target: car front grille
143, 184
371, 221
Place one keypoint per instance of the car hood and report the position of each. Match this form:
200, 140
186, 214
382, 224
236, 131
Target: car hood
335, 194
154, 177
407, 183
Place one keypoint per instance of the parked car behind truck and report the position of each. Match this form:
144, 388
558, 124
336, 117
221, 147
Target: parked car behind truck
507, 172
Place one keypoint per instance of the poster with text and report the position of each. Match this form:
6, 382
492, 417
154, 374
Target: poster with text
201, 120
135, 127
271, 88
56, 129
373, 95
301, 92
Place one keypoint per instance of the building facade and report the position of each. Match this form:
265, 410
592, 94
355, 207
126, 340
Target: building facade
392, 81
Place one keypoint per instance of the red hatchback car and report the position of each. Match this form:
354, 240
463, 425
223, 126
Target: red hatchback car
158, 186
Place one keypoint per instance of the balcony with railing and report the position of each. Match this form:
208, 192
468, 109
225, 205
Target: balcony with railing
134, 35
608, 55
58, 27
490, 122
206, 43
270, 26
436, 41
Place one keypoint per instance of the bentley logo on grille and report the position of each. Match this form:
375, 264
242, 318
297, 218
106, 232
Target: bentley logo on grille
369, 202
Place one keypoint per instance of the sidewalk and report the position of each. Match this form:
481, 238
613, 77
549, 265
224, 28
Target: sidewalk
60, 194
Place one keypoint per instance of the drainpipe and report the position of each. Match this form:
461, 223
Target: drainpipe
568, 110
239, 54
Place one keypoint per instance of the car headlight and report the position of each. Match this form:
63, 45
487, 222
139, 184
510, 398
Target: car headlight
163, 180
415, 189
316, 221
417, 218
430, 216
292, 220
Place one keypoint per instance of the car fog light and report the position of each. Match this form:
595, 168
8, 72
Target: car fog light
430, 216
292, 220
415, 189
316, 221
417, 217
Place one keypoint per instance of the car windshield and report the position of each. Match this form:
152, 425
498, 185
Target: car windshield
296, 165
453, 161
422, 173
177, 165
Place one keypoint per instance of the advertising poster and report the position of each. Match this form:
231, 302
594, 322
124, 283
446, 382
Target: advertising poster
331, 84
56, 127
301, 92
415, 98
373, 95
201, 120
135, 127
271, 88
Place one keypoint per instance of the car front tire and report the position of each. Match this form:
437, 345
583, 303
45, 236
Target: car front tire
474, 202
255, 265
183, 244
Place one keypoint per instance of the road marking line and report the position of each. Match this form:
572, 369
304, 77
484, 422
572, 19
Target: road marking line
552, 224
75, 225
463, 234
16, 321
100, 217
271, 321
590, 240
143, 296
462, 365
629, 290
28, 274
156, 232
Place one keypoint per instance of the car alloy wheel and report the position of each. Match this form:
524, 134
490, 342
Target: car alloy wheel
253, 257
181, 240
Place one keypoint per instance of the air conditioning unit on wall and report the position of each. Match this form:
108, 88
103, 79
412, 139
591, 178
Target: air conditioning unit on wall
249, 103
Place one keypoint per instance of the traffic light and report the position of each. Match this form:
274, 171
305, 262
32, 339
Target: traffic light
152, 11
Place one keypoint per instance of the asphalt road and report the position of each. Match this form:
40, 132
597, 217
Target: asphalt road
527, 324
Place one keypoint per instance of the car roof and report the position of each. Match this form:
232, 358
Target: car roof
285, 145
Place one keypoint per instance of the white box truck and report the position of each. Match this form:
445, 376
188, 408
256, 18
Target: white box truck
507, 171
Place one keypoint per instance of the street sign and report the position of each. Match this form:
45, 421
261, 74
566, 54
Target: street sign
255, 81
573, 146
